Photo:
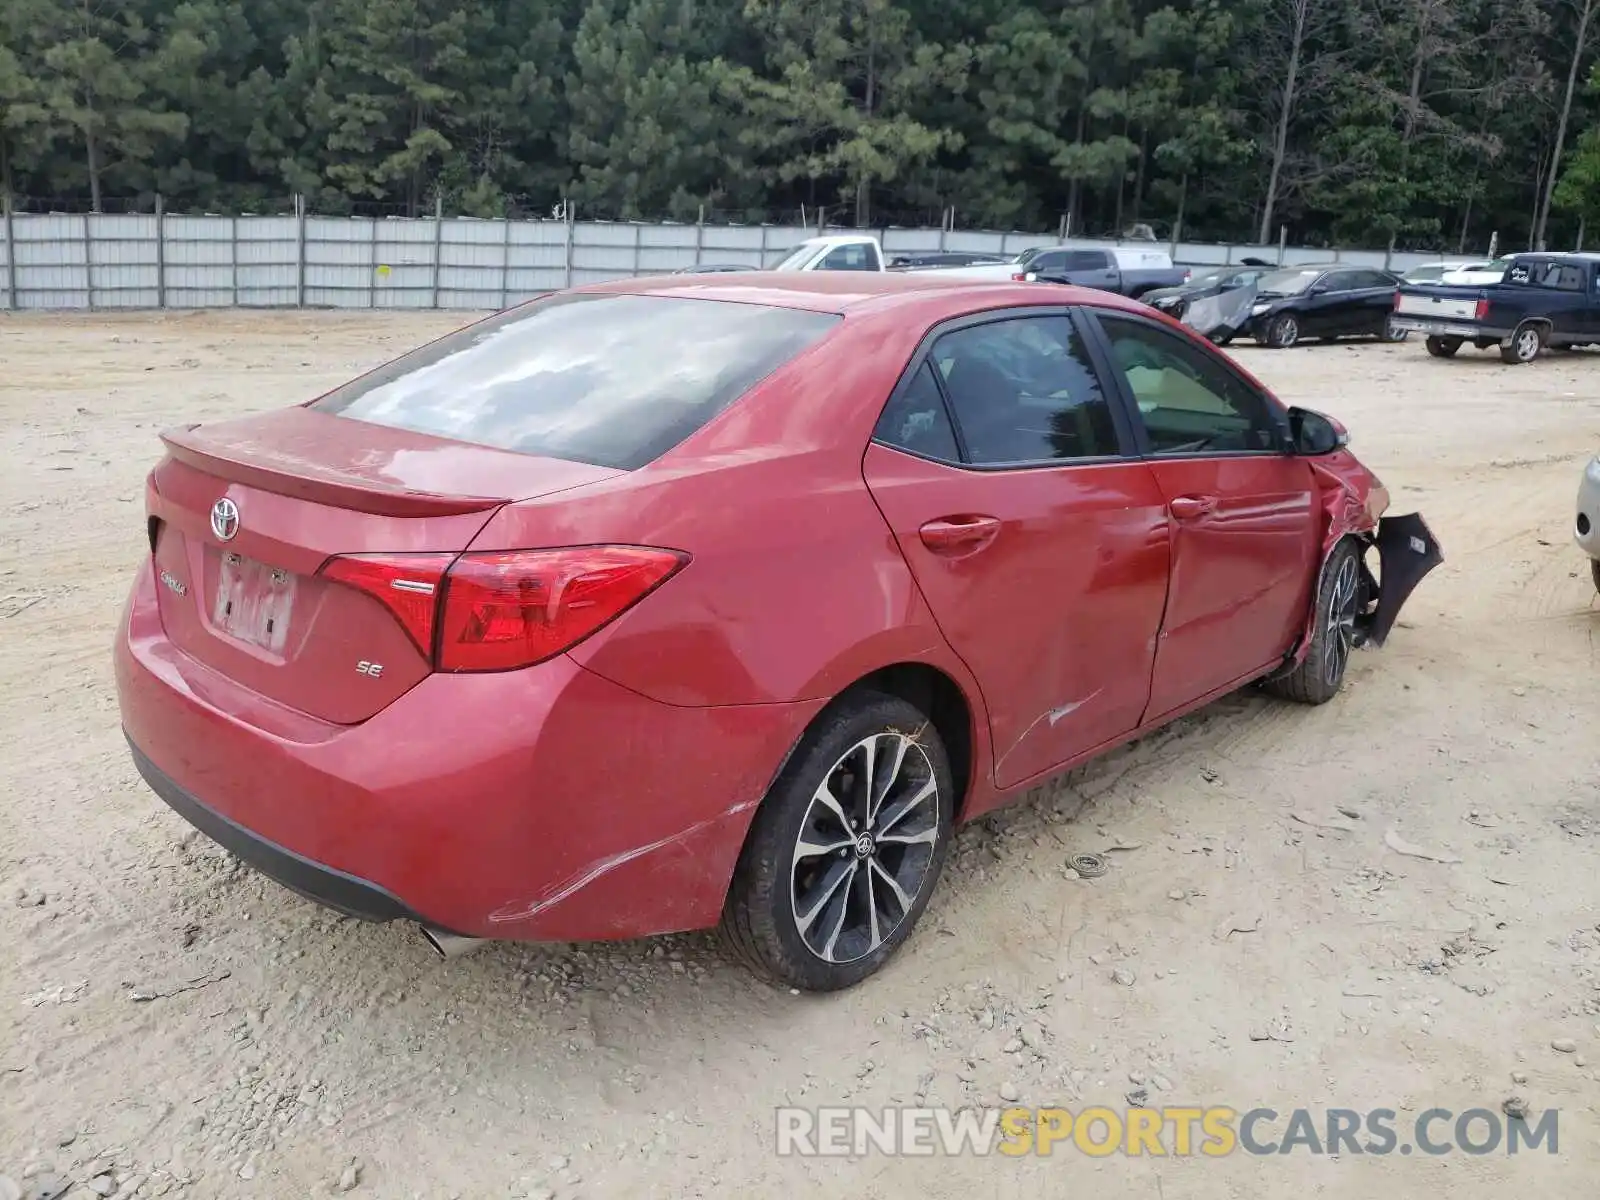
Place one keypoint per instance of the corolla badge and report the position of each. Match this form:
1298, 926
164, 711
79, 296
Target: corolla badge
225, 519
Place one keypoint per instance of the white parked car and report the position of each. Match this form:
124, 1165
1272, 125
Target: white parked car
1587, 529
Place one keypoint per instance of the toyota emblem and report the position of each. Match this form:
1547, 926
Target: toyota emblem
225, 519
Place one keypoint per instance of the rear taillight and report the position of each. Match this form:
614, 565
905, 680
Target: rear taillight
1397, 300
1018, 277
1481, 313
510, 609
406, 584
514, 609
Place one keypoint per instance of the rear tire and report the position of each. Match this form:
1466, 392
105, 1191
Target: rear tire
1443, 347
1594, 570
845, 849
1284, 332
1320, 674
1220, 339
1525, 345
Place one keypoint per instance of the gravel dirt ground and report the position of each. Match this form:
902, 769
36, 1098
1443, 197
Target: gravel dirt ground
189, 1027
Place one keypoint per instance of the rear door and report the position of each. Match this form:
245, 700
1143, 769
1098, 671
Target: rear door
1571, 308
1373, 296
1243, 513
1005, 472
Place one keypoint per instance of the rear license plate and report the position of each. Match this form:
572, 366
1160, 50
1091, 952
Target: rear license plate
253, 602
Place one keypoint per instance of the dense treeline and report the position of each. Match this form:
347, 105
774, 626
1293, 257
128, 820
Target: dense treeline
1411, 122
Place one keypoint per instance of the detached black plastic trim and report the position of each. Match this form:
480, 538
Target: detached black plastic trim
345, 893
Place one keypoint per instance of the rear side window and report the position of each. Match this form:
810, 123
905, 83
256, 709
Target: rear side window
615, 381
1086, 260
916, 420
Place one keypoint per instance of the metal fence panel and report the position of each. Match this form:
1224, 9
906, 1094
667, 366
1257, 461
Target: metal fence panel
61, 260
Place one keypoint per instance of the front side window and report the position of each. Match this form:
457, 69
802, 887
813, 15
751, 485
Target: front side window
613, 380
1023, 390
1188, 402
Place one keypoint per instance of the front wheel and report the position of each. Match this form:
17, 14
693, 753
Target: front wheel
1333, 635
845, 849
1284, 331
1443, 347
1525, 345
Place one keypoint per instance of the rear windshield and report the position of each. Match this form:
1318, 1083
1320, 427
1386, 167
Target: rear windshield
610, 380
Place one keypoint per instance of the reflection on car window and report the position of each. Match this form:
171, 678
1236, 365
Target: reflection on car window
1189, 403
915, 419
613, 380
1023, 391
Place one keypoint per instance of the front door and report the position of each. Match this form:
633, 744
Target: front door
1243, 513
1038, 541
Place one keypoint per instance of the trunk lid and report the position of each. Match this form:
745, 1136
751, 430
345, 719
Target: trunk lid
298, 487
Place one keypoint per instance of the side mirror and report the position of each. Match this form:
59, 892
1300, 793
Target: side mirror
1311, 434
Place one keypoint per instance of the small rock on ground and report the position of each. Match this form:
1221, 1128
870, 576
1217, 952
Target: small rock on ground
349, 1177
1564, 1045
1009, 1092
1123, 976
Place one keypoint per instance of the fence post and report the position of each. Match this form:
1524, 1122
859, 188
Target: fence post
763, 246
233, 257
161, 253
700, 236
638, 242
438, 242
11, 257
372, 265
299, 250
566, 214
505, 262
88, 261
1283, 242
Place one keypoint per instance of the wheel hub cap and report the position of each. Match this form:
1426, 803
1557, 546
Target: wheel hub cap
866, 846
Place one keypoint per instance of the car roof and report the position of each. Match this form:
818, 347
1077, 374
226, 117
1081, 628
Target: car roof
1587, 256
860, 292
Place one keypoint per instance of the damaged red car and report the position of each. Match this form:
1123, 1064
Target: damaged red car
688, 602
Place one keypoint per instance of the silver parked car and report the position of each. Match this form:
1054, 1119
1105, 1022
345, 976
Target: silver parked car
1587, 529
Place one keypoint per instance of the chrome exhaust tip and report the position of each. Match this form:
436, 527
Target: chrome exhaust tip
450, 945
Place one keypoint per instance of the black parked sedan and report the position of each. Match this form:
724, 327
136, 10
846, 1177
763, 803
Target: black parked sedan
1323, 301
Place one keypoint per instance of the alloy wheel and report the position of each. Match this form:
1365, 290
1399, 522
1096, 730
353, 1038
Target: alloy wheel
1341, 630
866, 847
1528, 345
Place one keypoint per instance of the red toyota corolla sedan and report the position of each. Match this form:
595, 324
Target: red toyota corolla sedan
691, 601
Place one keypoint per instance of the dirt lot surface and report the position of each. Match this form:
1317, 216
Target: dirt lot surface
184, 1023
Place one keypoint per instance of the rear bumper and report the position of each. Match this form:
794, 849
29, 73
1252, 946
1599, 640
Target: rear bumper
334, 889
544, 804
1443, 327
